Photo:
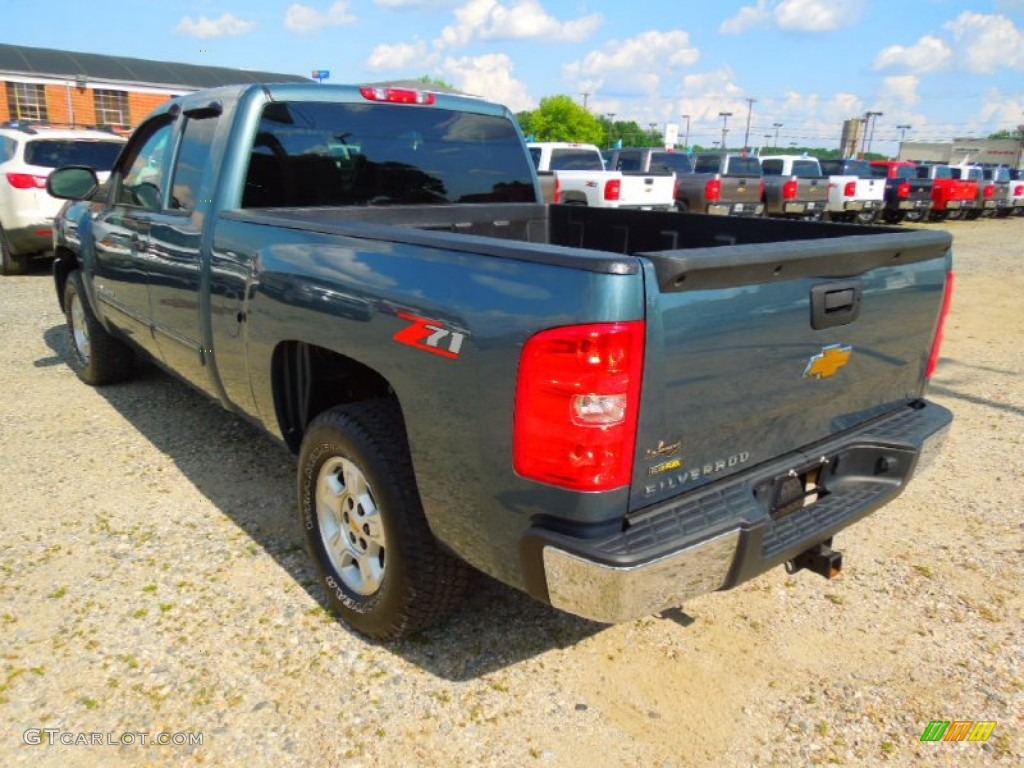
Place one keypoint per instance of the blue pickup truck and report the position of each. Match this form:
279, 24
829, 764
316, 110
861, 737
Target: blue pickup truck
613, 411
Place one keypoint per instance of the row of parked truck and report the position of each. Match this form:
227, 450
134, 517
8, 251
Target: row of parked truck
795, 186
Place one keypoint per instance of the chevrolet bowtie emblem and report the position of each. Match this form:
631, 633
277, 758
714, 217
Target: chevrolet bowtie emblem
827, 363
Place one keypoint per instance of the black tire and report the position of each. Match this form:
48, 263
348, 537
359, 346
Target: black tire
11, 264
972, 214
954, 214
97, 357
383, 571
682, 206
893, 217
866, 217
916, 215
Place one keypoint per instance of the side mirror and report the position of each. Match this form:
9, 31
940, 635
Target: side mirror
72, 182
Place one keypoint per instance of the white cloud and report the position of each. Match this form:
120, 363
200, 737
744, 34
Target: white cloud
304, 19
401, 56
929, 54
489, 76
988, 42
796, 15
227, 25
749, 16
900, 90
513, 20
634, 65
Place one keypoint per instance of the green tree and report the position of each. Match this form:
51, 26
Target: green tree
1017, 133
559, 118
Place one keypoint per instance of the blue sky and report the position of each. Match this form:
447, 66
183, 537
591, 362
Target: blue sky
944, 67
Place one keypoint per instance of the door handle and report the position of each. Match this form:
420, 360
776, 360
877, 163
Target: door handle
837, 303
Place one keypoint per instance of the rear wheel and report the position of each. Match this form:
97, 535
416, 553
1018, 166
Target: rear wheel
682, 206
893, 217
11, 264
915, 216
955, 214
97, 357
383, 571
866, 217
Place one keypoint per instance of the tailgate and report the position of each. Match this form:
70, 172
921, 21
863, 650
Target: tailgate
647, 189
760, 349
741, 189
814, 190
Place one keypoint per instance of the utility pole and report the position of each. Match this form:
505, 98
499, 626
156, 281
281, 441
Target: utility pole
686, 138
725, 121
746, 135
776, 126
585, 95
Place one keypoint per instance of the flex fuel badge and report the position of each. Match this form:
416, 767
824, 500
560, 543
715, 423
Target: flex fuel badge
430, 336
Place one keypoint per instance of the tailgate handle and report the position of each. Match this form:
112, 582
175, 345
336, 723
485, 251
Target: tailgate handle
834, 304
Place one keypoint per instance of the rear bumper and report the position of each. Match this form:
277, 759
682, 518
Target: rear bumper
735, 209
723, 534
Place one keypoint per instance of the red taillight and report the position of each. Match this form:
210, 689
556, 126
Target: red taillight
558, 189
713, 189
940, 329
903, 190
26, 181
1018, 191
612, 189
397, 95
789, 189
990, 190
850, 190
762, 189
577, 400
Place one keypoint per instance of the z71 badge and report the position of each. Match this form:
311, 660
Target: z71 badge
430, 336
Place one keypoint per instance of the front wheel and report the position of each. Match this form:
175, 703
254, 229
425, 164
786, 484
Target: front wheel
97, 357
383, 571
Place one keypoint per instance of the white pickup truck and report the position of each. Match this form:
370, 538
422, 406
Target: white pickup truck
853, 194
581, 179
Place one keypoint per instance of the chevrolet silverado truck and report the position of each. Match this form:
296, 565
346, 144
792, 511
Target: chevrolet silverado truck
906, 196
853, 193
986, 199
581, 179
999, 177
721, 184
951, 197
1017, 191
794, 186
647, 159
611, 410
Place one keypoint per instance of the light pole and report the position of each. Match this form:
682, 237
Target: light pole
585, 95
746, 135
725, 120
686, 137
611, 128
654, 134
869, 129
776, 126
767, 136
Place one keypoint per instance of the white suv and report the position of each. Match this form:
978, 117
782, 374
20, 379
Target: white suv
27, 155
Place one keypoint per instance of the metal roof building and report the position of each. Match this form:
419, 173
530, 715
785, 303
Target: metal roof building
71, 88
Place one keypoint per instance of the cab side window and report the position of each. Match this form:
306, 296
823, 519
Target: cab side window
193, 156
145, 170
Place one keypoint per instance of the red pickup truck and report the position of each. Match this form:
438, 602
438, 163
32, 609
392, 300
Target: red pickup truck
951, 197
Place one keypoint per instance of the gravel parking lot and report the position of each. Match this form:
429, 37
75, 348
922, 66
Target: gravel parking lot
152, 581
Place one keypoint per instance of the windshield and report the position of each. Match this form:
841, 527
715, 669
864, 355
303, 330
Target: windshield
311, 153
743, 166
53, 153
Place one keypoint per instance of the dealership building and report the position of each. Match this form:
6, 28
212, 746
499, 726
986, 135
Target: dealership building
44, 85
1008, 152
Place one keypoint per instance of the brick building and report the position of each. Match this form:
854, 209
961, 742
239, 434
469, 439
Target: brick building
65, 88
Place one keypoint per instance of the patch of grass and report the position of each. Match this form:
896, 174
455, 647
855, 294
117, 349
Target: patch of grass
822, 727
924, 570
149, 588
57, 594
887, 747
89, 703
140, 613
835, 598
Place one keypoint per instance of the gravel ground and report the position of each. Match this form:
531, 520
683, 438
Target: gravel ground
152, 581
